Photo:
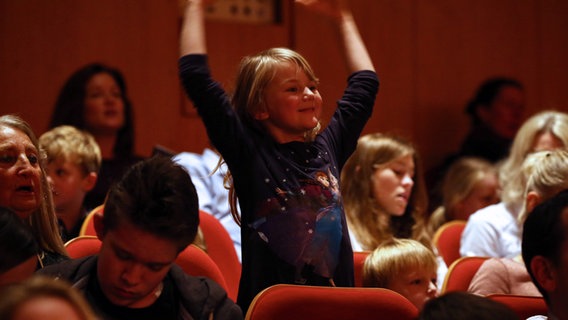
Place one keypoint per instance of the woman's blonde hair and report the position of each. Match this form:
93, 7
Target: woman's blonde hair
548, 176
43, 221
510, 175
394, 257
370, 226
16, 295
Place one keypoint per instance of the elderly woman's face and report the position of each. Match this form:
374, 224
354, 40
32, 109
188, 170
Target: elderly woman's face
20, 172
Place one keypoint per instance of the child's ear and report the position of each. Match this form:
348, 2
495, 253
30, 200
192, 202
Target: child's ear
98, 224
89, 181
544, 273
532, 200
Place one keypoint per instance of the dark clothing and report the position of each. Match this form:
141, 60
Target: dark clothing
482, 142
111, 171
165, 306
184, 296
49, 258
293, 223
74, 232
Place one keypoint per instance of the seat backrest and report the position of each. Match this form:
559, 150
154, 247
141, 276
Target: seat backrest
358, 262
221, 249
286, 301
461, 272
192, 260
196, 262
447, 240
83, 246
88, 227
524, 306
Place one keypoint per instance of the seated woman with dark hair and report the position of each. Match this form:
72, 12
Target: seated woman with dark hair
95, 99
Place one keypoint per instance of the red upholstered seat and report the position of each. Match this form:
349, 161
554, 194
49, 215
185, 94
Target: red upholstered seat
285, 301
358, 262
447, 240
524, 306
83, 246
88, 227
461, 272
221, 249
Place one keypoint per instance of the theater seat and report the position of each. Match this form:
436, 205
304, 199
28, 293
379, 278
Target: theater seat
296, 302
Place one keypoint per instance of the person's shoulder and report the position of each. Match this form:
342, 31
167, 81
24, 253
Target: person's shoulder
493, 264
188, 159
196, 287
490, 212
201, 295
69, 269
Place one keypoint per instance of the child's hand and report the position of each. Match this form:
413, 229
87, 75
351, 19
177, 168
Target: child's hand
331, 8
203, 3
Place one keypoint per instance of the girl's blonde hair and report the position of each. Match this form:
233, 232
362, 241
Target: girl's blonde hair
370, 226
394, 257
548, 176
43, 221
510, 175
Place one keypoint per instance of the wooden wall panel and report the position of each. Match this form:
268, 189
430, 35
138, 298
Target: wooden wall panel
460, 44
430, 56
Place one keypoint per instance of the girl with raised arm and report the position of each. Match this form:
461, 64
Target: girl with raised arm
284, 170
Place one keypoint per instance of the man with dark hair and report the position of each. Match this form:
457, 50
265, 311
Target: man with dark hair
545, 252
150, 216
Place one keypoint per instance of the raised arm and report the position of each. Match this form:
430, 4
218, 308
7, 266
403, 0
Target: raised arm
192, 36
354, 48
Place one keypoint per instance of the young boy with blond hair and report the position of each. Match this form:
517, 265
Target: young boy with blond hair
405, 266
73, 163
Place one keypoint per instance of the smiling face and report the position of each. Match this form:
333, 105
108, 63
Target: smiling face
292, 104
104, 105
392, 185
132, 264
418, 286
20, 172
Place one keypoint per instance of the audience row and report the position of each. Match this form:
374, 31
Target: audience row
308, 195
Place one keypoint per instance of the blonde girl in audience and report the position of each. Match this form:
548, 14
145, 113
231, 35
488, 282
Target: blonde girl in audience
405, 266
24, 187
469, 185
292, 221
494, 230
383, 192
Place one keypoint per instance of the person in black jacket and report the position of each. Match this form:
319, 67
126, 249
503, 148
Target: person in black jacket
150, 216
